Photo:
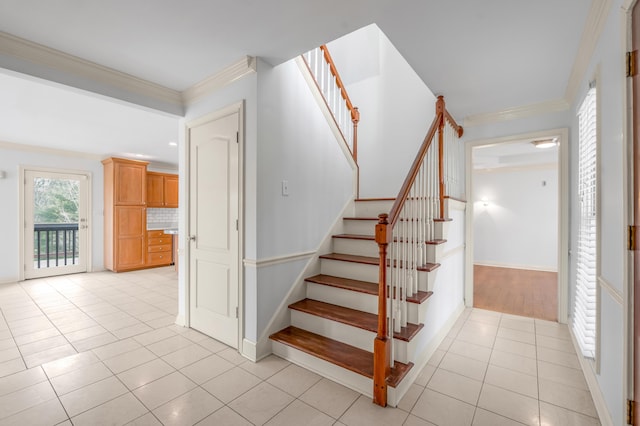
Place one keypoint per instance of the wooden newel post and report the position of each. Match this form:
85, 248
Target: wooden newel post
355, 119
440, 113
382, 343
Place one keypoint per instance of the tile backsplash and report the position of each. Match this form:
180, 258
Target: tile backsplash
162, 216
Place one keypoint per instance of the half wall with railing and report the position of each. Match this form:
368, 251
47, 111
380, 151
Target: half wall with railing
345, 116
404, 234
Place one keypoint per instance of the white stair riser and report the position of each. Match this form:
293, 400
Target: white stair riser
339, 296
372, 208
355, 247
434, 252
359, 227
360, 301
441, 230
355, 381
352, 270
353, 336
370, 273
426, 280
344, 333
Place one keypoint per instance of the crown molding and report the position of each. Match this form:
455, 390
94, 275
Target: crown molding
55, 59
593, 27
52, 151
516, 112
233, 72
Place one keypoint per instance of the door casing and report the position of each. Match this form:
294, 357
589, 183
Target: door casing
563, 214
21, 211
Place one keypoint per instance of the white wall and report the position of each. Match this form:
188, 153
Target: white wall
286, 138
245, 90
295, 143
519, 226
10, 161
396, 108
606, 65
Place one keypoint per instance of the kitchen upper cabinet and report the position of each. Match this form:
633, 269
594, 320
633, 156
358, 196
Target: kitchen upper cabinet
130, 183
162, 190
125, 214
171, 191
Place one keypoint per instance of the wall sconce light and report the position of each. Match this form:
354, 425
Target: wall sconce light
485, 201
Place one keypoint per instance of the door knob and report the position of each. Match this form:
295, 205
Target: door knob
192, 238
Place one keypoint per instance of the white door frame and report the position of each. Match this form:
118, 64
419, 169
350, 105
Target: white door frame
185, 265
21, 211
628, 206
563, 213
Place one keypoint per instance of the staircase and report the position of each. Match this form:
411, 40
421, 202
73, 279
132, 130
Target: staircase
333, 329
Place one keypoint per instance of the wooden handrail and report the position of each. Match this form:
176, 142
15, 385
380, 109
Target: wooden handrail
394, 213
353, 111
355, 115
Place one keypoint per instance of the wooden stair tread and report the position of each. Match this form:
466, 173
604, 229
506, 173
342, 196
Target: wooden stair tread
352, 317
427, 267
351, 258
362, 286
345, 283
346, 356
373, 238
354, 237
420, 297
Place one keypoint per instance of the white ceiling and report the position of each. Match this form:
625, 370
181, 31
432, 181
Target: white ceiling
484, 56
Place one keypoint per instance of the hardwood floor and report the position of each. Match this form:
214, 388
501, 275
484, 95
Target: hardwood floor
516, 291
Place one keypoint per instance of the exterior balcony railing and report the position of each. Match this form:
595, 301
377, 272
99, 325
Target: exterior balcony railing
55, 244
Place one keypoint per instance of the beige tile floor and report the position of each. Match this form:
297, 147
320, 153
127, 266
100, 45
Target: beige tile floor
102, 348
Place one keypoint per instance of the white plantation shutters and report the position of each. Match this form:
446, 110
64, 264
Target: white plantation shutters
584, 314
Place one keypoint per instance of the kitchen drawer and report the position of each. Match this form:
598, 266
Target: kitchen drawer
156, 234
160, 241
163, 248
161, 258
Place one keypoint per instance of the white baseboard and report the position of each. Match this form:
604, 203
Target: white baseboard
592, 383
515, 266
249, 350
181, 321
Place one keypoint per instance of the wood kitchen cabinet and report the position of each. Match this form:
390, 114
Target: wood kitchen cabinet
162, 190
159, 248
125, 214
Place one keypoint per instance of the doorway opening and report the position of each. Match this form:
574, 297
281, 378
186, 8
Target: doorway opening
55, 222
516, 259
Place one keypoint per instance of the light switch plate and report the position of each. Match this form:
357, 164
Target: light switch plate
285, 188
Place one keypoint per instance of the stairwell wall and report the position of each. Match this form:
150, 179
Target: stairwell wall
295, 144
396, 108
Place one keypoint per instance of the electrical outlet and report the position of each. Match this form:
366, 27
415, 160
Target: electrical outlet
285, 188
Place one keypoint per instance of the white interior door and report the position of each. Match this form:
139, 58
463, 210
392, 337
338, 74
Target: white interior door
55, 223
213, 211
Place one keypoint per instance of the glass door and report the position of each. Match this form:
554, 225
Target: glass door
56, 223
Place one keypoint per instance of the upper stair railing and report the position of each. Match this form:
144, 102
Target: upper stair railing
327, 78
404, 233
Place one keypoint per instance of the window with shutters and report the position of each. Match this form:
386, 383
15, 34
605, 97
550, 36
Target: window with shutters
585, 309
